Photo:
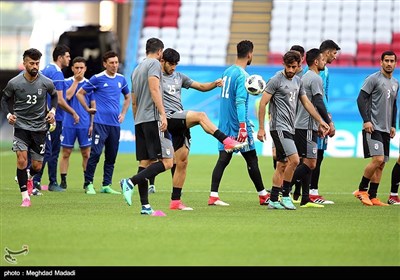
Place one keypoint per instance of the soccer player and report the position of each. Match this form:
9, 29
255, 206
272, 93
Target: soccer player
299, 72
329, 50
154, 149
61, 59
180, 121
106, 88
234, 122
284, 90
81, 131
377, 106
306, 129
27, 93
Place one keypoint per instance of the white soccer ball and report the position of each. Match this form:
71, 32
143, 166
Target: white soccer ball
255, 84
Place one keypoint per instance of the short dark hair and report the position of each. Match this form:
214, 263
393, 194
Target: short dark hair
291, 56
171, 56
153, 45
32, 53
108, 55
388, 53
244, 48
329, 45
298, 48
78, 59
312, 55
60, 50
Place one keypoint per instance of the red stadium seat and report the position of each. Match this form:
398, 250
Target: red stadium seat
155, 2
170, 10
275, 58
152, 21
154, 10
169, 21
345, 60
364, 59
365, 48
396, 38
380, 48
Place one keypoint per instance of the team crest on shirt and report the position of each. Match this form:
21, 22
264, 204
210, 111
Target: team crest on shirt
119, 85
175, 81
394, 88
39, 91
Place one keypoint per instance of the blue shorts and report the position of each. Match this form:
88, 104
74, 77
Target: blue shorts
70, 134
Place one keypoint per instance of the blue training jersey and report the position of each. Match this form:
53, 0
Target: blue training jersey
233, 102
53, 72
84, 116
107, 90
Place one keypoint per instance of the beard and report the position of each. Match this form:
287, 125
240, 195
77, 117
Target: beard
388, 71
33, 72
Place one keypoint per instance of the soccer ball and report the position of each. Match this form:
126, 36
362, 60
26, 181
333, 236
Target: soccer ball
255, 84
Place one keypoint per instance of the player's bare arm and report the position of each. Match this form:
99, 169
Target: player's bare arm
265, 98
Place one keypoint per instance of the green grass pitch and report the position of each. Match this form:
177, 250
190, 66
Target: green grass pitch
74, 229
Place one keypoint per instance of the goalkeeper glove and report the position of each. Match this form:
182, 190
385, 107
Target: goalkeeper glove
242, 135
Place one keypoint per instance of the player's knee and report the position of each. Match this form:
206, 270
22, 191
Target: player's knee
182, 163
168, 163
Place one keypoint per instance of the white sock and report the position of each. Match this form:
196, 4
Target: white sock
25, 195
394, 194
314, 192
263, 192
214, 194
147, 205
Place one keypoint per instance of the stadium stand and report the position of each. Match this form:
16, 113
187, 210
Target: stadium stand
363, 29
199, 30
206, 32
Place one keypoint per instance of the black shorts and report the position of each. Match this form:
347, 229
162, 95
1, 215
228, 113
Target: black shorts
151, 143
306, 143
33, 141
179, 132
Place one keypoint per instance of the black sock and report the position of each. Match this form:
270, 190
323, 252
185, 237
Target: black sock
395, 178
316, 172
176, 193
143, 189
22, 177
299, 173
363, 184
305, 186
152, 180
275, 193
373, 190
63, 177
286, 188
219, 135
151, 171
253, 169
222, 162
